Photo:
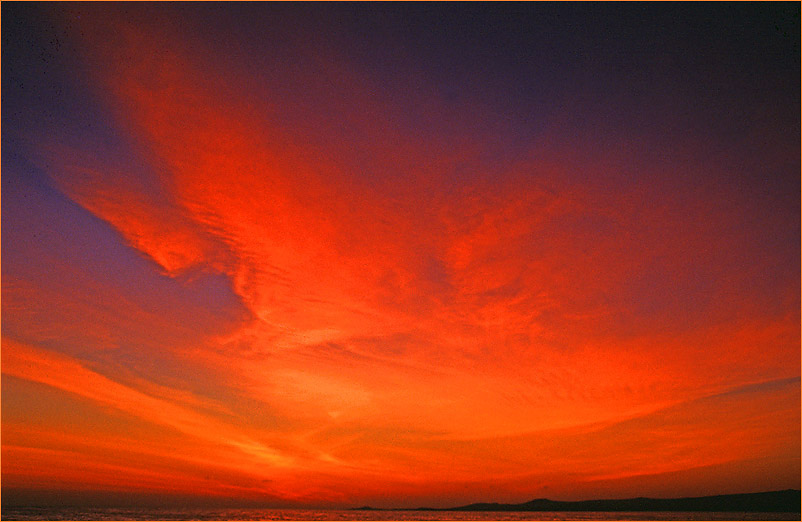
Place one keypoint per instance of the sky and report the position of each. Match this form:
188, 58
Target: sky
329, 255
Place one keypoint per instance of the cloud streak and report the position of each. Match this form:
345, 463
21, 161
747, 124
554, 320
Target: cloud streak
368, 294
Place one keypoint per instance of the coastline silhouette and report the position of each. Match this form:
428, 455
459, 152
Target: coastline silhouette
785, 501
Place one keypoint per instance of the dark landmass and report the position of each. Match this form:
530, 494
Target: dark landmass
786, 501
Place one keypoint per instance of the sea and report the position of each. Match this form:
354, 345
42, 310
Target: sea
39, 513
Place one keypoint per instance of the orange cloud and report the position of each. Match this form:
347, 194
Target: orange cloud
405, 327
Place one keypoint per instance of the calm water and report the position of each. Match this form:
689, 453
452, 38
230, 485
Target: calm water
299, 514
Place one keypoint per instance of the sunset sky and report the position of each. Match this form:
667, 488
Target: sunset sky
399, 254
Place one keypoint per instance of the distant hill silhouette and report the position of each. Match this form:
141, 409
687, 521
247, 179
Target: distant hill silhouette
786, 501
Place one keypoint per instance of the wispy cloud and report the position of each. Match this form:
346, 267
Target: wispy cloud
353, 302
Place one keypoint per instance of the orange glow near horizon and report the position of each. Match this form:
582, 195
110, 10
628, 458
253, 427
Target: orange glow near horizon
347, 309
